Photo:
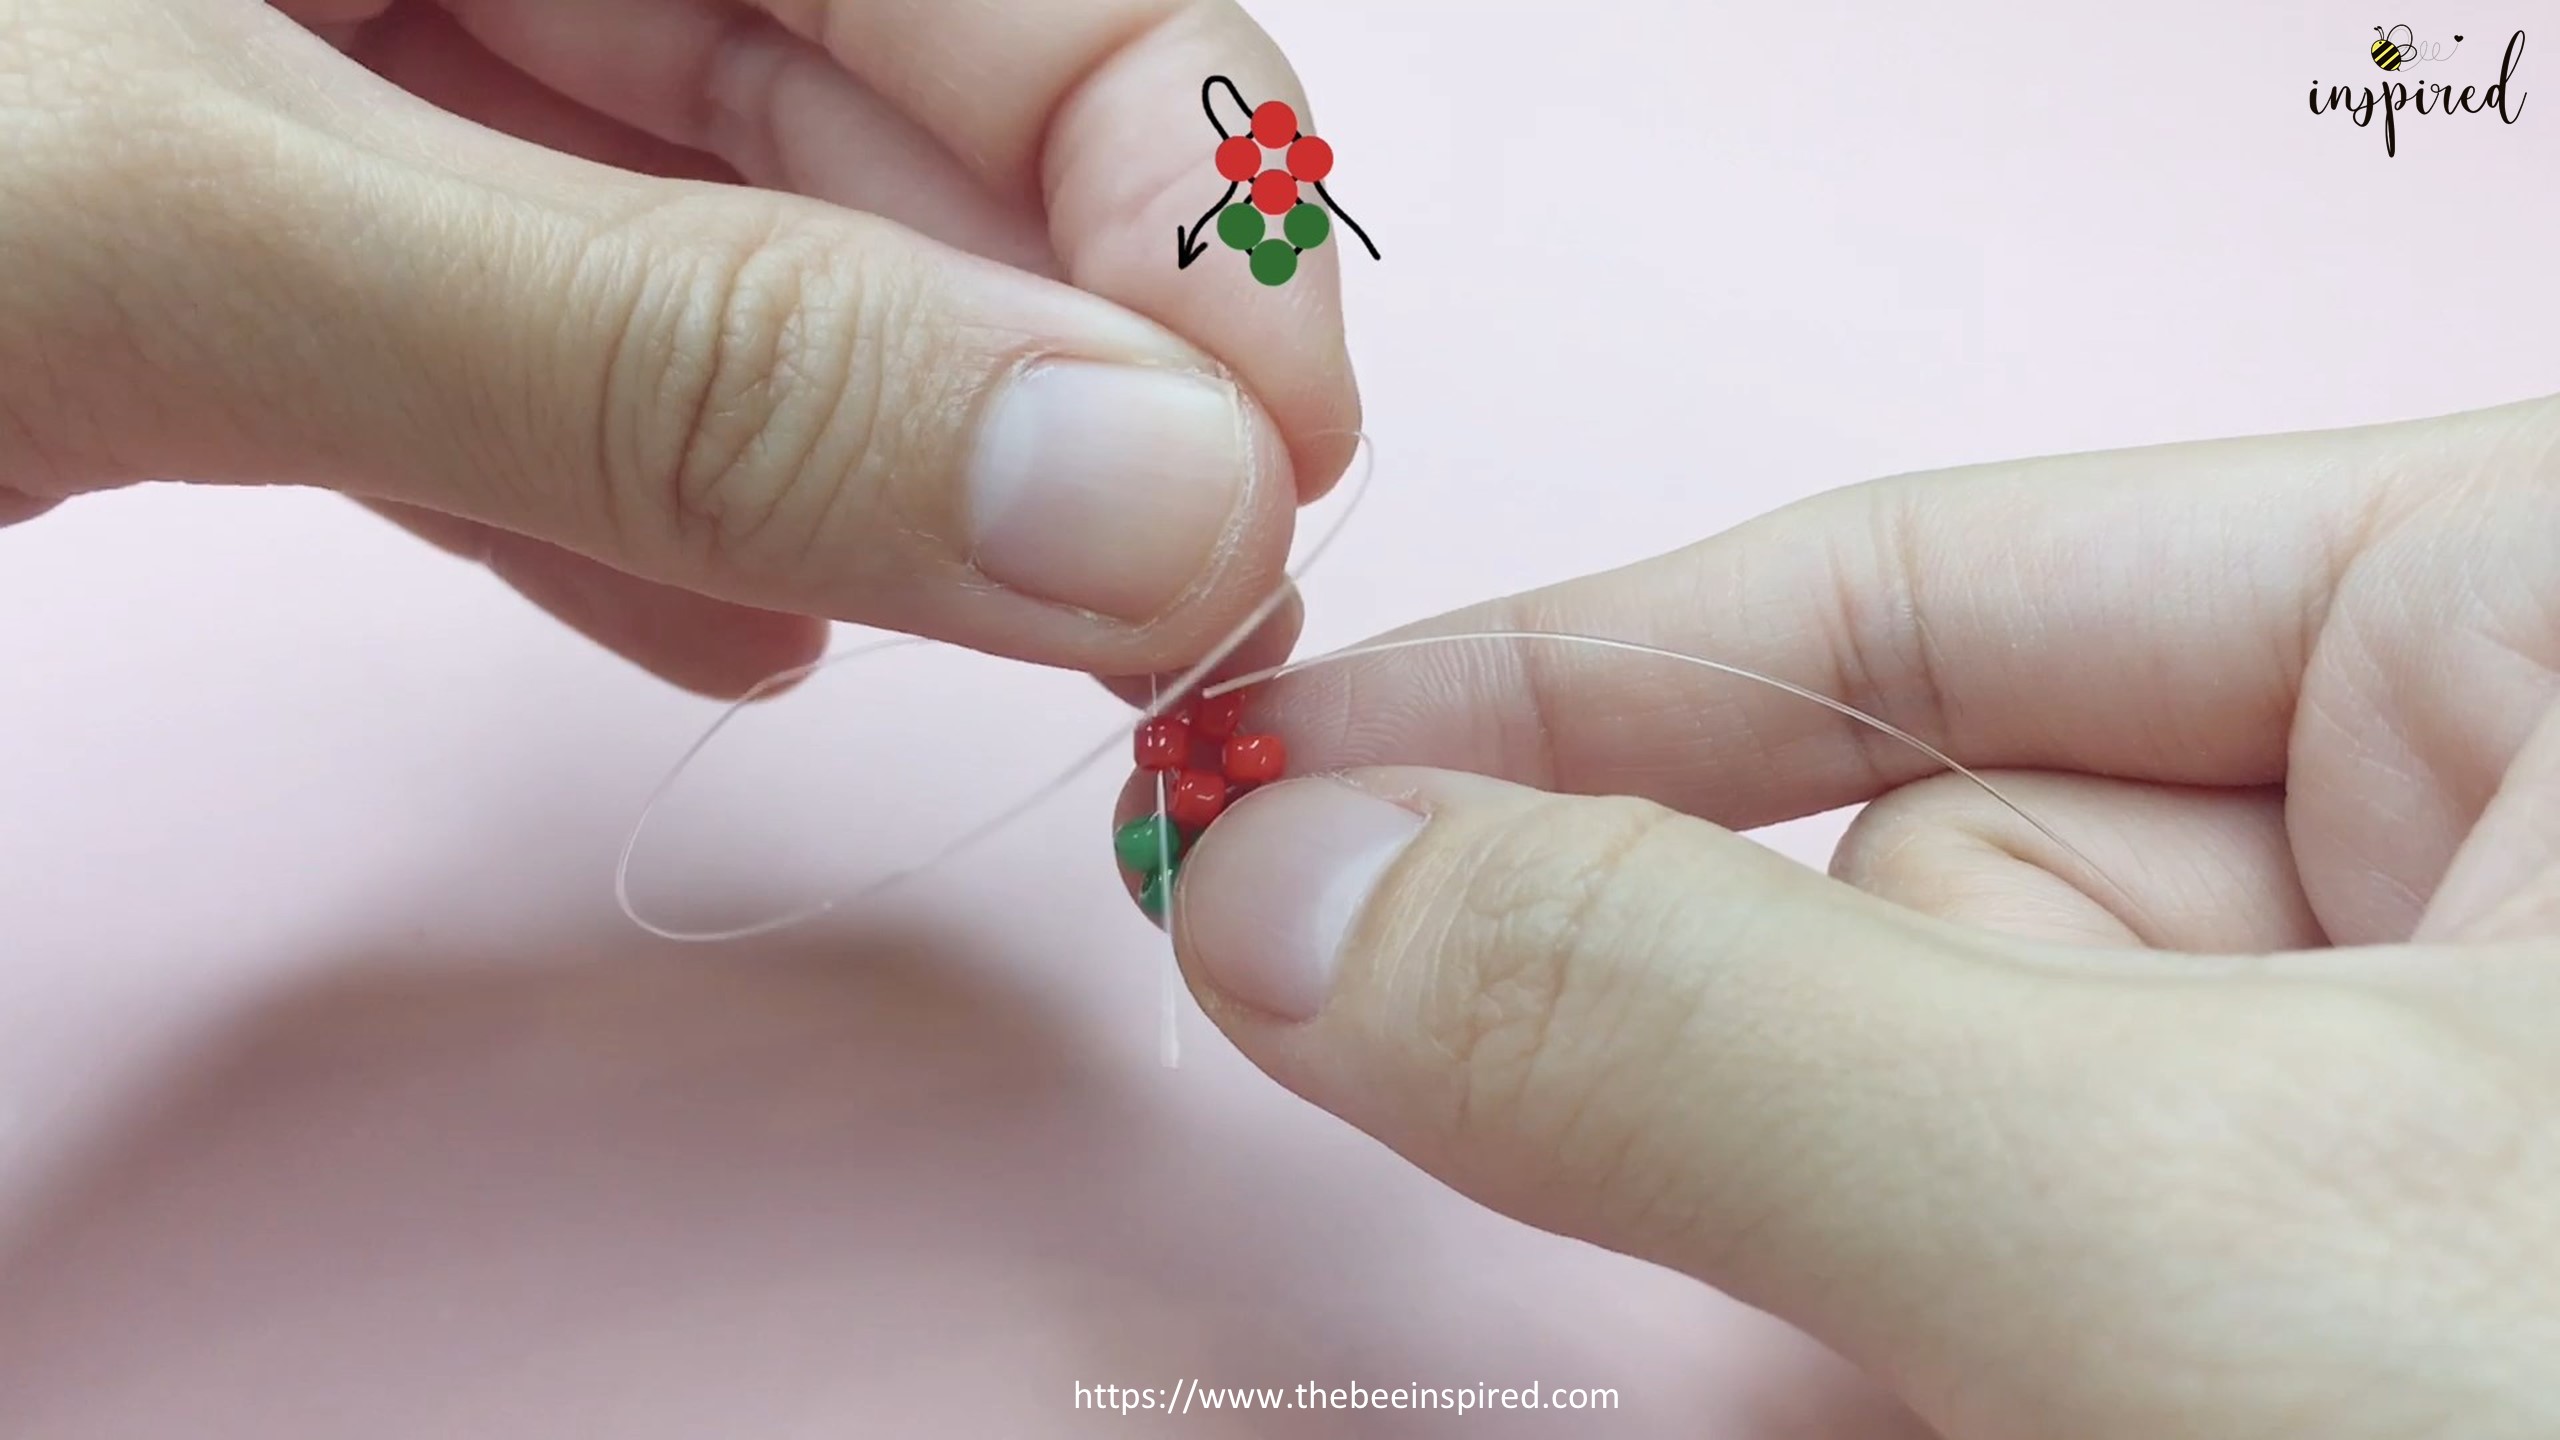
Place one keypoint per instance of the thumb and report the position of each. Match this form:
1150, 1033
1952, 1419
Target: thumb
747, 394
1616, 1022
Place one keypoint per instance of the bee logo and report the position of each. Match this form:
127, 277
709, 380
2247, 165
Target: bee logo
2398, 46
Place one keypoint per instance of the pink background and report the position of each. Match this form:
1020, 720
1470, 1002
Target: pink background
337, 1099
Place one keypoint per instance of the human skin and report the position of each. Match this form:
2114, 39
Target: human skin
700, 322
2253, 1132
2282, 1169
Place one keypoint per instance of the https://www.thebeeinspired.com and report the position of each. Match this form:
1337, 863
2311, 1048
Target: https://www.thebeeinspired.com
1188, 1397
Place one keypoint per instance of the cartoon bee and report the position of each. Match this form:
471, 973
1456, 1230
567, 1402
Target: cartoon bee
2391, 54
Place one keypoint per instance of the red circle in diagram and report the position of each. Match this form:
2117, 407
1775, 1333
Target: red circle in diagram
1239, 158
1274, 124
1310, 159
1274, 192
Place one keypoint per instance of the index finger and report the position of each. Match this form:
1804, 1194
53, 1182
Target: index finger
1087, 111
2148, 614
1094, 107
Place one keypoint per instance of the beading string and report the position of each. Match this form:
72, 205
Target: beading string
1164, 697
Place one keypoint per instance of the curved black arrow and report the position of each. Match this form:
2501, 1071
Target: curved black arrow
1345, 217
1212, 83
1184, 249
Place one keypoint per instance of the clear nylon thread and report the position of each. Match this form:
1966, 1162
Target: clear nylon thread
1163, 696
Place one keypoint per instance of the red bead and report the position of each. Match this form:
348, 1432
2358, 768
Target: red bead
1163, 743
1274, 193
1239, 157
1217, 719
1310, 159
1197, 799
1254, 759
1275, 124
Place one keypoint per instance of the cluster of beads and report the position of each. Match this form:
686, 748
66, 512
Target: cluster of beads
1205, 763
1306, 160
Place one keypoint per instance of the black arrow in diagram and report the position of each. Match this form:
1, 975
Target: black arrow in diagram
1187, 244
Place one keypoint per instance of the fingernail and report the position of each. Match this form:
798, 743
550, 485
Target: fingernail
1106, 487
1277, 884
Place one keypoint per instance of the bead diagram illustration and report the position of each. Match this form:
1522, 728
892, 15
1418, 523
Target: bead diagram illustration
1273, 191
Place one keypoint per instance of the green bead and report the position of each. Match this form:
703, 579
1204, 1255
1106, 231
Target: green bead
1240, 226
1157, 894
1307, 226
1143, 844
1274, 262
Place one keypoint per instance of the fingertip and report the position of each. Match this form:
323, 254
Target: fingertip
1268, 645
1274, 888
1329, 438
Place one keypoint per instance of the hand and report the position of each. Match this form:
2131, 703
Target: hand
2268, 1146
683, 414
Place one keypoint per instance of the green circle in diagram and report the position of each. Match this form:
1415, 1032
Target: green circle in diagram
1240, 226
1307, 226
1274, 261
